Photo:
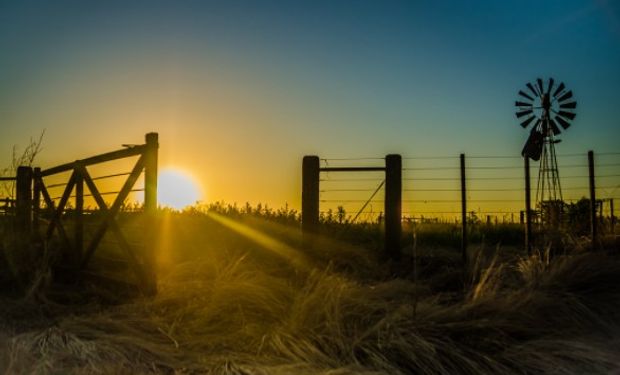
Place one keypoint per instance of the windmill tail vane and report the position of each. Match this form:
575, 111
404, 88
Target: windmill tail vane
534, 145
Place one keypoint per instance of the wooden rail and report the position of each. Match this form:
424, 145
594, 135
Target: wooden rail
109, 156
352, 169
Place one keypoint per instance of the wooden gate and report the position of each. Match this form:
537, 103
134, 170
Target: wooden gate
142, 265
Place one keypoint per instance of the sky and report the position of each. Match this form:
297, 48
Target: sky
240, 91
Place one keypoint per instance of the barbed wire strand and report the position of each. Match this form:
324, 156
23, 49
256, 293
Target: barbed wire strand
111, 175
104, 193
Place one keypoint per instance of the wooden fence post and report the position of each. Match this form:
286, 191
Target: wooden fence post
463, 212
593, 228
528, 207
393, 205
79, 215
310, 196
23, 197
150, 173
150, 209
612, 217
36, 203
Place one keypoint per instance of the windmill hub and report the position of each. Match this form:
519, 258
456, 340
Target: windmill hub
546, 102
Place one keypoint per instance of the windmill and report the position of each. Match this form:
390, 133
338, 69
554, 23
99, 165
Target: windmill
545, 108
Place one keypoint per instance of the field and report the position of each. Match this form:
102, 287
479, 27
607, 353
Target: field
238, 294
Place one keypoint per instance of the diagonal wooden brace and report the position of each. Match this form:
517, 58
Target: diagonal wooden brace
111, 213
61, 206
123, 243
56, 222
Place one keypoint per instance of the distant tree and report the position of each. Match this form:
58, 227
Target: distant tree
329, 216
341, 214
23, 158
578, 217
473, 218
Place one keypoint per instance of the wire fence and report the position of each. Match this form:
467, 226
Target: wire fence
109, 186
495, 186
7, 195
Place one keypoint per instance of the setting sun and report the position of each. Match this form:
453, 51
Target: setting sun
176, 189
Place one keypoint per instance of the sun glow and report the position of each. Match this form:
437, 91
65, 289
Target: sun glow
176, 189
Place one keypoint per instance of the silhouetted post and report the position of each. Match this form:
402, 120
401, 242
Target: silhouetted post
393, 209
310, 196
23, 197
463, 212
36, 202
150, 173
150, 208
528, 207
612, 217
593, 229
79, 215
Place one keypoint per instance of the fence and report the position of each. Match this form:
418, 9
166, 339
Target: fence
7, 203
471, 188
393, 187
37, 209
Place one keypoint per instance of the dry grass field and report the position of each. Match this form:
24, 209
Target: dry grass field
241, 296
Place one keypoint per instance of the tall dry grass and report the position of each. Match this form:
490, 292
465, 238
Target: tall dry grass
226, 305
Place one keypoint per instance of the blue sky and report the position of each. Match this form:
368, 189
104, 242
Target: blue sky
248, 86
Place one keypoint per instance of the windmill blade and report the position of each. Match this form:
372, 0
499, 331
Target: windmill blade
554, 127
527, 121
525, 95
559, 89
523, 113
550, 86
571, 105
540, 85
568, 115
543, 125
565, 124
568, 95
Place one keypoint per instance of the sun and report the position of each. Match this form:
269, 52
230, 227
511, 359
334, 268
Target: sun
176, 189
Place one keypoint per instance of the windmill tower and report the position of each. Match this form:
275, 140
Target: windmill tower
546, 107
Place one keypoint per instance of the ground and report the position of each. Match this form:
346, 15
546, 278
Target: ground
242, 296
